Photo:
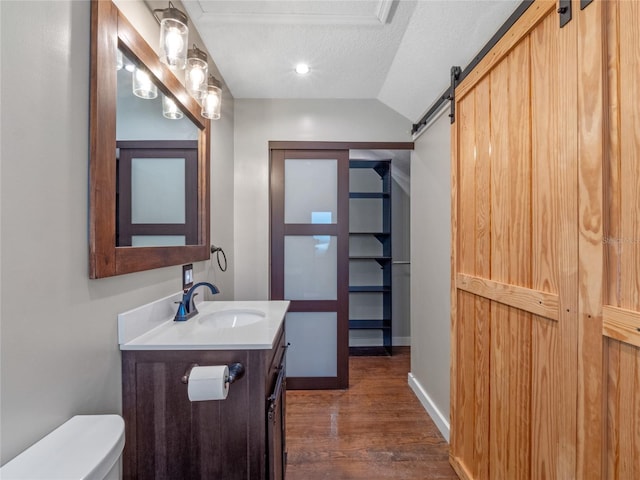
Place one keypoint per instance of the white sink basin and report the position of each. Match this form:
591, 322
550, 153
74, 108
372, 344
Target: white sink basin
232, 318
220, 325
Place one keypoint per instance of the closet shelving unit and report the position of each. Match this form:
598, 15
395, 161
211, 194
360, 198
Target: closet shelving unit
370, 258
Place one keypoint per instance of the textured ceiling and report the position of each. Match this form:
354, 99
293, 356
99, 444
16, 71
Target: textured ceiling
399, 51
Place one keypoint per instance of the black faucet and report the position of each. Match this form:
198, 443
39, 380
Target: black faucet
187, 306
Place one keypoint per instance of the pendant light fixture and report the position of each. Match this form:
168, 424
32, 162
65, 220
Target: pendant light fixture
143, 86
212, 100
174, 34
170, 109
196, 73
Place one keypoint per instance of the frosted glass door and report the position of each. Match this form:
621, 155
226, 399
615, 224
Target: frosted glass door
310, 191
310, 267
313, 348
309, 259
157, 190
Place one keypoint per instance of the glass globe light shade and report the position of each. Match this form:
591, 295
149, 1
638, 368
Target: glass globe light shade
212, 102
174, 34
143, 86
169, 109
196, 73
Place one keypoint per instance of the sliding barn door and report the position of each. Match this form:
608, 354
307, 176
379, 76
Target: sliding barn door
516, 263
545, 230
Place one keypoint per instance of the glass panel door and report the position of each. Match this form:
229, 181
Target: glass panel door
309, 262
310, 191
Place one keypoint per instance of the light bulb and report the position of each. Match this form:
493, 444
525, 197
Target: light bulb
169, 109
196, 77
302, 69
211, 103
173, 43
143, 87
196, 73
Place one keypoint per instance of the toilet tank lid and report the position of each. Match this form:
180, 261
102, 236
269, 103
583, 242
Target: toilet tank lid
85, 447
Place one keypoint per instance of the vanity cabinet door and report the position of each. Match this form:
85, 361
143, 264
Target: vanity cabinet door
276, 428
172, 438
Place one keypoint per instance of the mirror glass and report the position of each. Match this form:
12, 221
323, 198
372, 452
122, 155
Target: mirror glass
157, 155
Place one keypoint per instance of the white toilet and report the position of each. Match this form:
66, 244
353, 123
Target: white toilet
86, 447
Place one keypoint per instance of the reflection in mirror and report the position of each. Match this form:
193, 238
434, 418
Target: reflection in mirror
157, 164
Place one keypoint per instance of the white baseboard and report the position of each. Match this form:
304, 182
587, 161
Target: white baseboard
436, 415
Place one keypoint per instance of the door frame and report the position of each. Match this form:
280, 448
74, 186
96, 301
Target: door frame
276, 260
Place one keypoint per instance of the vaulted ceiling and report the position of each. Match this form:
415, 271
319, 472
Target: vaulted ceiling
397, 51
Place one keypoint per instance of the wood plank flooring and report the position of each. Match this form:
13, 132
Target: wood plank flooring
376, 429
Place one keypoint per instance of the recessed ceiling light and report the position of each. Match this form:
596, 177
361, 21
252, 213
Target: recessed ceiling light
302, 69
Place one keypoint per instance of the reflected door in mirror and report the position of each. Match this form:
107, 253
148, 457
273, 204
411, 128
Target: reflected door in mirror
157, 193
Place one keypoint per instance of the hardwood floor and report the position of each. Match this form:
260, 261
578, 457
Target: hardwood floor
376, 429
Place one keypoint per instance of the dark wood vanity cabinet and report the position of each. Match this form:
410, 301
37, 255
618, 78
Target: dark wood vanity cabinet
170, 437
277, 456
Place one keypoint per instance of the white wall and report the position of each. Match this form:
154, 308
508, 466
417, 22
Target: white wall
222, 198
259, 121
430, 270
59, 352
401, 274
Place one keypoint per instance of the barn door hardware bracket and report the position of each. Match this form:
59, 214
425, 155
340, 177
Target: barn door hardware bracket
584, 4
455, 75
564, 9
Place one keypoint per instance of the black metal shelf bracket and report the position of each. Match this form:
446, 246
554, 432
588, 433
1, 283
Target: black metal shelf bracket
584, 4
455, 75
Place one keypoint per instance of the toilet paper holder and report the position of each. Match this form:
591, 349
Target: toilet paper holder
236, 372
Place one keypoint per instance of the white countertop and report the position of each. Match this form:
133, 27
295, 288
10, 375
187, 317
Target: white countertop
138, 331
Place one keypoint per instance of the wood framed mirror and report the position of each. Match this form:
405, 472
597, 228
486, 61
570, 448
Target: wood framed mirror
110, 32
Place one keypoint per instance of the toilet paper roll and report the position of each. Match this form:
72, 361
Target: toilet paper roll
208, 383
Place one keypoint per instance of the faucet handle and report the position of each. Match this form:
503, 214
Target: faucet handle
192, 308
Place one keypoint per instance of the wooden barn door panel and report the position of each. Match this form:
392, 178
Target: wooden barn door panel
590, 85
545, 63
463, 401
546, 236
510, 209
515, 195
554, 249
621, 312
472, 400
